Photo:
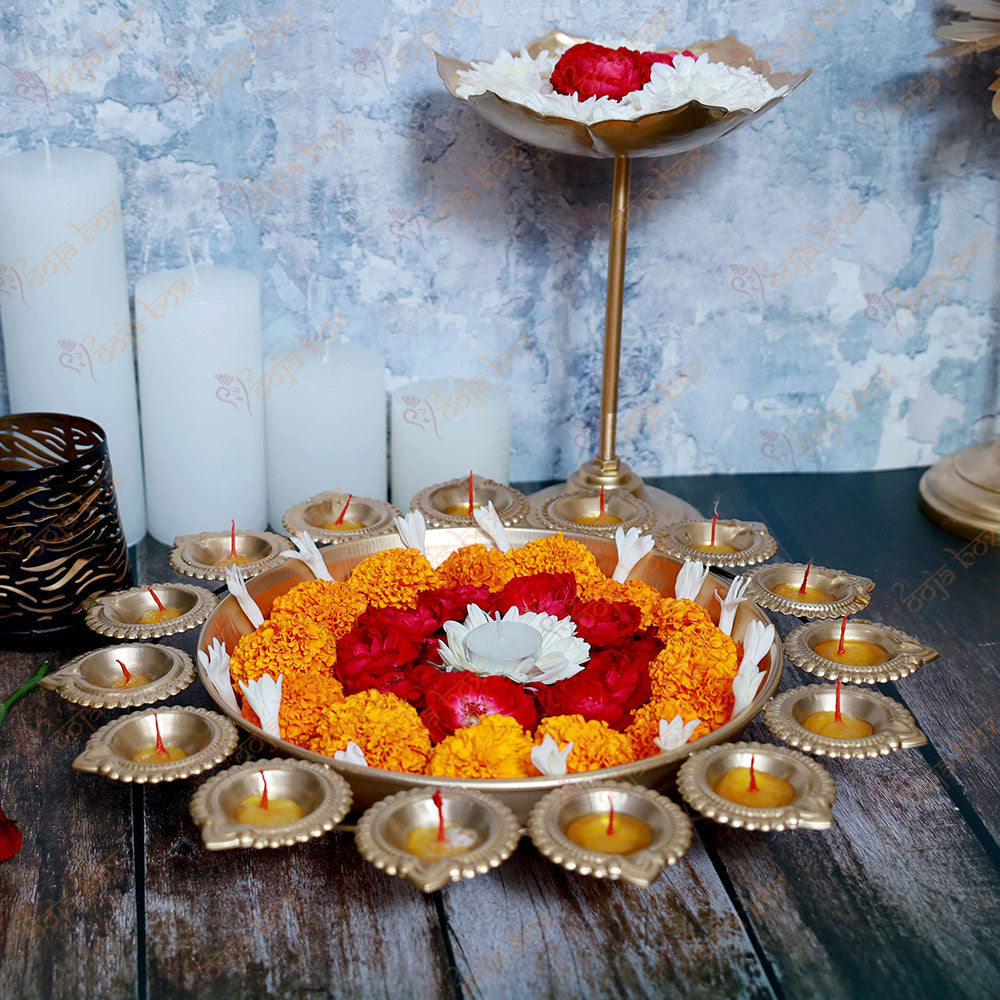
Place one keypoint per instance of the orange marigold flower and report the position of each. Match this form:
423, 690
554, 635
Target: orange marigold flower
595, 743
297, 645
387, 729
676, 615
556, 554
495, 748
335, 606
392, 578
477, 566
305, 701
646, 724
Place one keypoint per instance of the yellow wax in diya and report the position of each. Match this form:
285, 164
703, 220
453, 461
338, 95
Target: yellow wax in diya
424, 842
857, 652
597, 519
461, 509
254, 810
848, 727
159, 615
158, 754
747, 787
717, 547
344, 525
134, 681
813, 595
628, 834
234, 561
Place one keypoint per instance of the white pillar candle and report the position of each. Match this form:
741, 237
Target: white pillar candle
443, 428
202, 400
326, 423
64, 303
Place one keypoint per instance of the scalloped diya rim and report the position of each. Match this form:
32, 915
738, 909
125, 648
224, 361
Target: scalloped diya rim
762, 546
894, 727
294, 519
183, 560
371, 784
516, 507
855, 591
100, 619
633, 511
658, 133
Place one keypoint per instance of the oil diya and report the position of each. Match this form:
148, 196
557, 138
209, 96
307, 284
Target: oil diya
433, 836
123, 676
207, 555
872, 653
596, 512
150, 612
809, 591
450, 504
144, 746
269, 803
758, 786
718, 543
339, 517
610, 829
870, 724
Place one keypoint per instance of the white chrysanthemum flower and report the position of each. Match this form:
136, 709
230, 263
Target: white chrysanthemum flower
216, 665
508, 75
549, 759
675, 733
561, 653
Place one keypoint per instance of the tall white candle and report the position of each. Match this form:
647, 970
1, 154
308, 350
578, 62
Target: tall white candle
326, 423
202, 400
442, 428
64, 303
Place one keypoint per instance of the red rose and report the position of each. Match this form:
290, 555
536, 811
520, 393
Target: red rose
606, 623
414, 623
546, 593
590, 70
626, 670
460, 699
450, 603
372, 657
665, 57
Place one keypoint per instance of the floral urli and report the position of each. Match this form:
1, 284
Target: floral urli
615, 659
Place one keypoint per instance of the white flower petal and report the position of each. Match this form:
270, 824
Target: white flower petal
757, 640
549, 759
306, 551
216, 665
689, 580
746, 684
731, 602
631, 548
413, 530
675, 733
238, 588
489, 521
264, 696
352, 755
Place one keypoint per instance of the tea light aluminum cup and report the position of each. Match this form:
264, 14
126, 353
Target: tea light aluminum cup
851, 592
324, 508
906, 654
751, 539
893, 727
323, 796
199, 555
558, 513
811, 809
383, 829
117, 614
206, 737
90, 679
511, 505
552, 815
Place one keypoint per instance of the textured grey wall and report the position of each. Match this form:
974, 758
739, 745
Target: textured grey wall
803, 295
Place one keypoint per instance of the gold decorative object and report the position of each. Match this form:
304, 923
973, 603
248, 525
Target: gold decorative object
322, 795
433, 501
670, 826
383, 829
751, 539
369, 784
851, 592
906, 654
893, 728
657, 134
93, 678
811, 809
961, 492
118, 614
206, 738
979, 29
200, 555
559, 512
314, 514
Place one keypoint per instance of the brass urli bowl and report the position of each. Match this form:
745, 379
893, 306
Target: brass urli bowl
369, 784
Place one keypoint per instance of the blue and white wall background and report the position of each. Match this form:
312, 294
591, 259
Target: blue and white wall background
816, 291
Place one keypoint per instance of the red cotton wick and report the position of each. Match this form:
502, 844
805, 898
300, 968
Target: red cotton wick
714, 519
837, 716
611, 816
753, 777
471, 494
263, 794
843, 628
439, 802
160, 748
159, 603
602, 501
340, 520
805, 577
232, 547
128, 676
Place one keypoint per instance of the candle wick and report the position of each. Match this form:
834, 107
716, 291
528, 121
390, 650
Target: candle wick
340, 520
439, 802
805, 577
159, 603
602, 501
837, 716
843, 628
160, 748
611, 816
263, 795
471, 494
48, 155
128, 676
753, 777
232, 547
194, 270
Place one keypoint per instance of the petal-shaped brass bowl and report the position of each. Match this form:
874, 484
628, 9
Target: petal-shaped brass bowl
811, 809
383, 829
92, 679
632, 511
751, 539
851, 593
199, 555
671, 830
893, 727
313, 516
322, 795
657, 134
118, 614
906, 654
206, 738
511, 505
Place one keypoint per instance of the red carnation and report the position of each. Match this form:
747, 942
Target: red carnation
665, 57
370, 657
546, 593
460, 699
450, 603
590, 70
606, 623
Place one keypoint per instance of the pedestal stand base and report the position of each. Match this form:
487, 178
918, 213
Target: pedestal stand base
962, 492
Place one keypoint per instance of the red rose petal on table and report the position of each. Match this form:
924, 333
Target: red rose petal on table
545, 593
588, 70
10, 837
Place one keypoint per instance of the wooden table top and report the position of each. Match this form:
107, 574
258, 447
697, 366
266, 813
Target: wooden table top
113, 896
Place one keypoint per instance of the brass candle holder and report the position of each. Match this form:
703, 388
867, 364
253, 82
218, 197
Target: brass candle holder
435, 502
319, 512
684, 540
561, 512
849, 593
117, 615
202, 556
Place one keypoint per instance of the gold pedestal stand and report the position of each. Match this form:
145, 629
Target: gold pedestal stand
962, 492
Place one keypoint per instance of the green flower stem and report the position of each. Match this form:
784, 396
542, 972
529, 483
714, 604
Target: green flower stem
22, 691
